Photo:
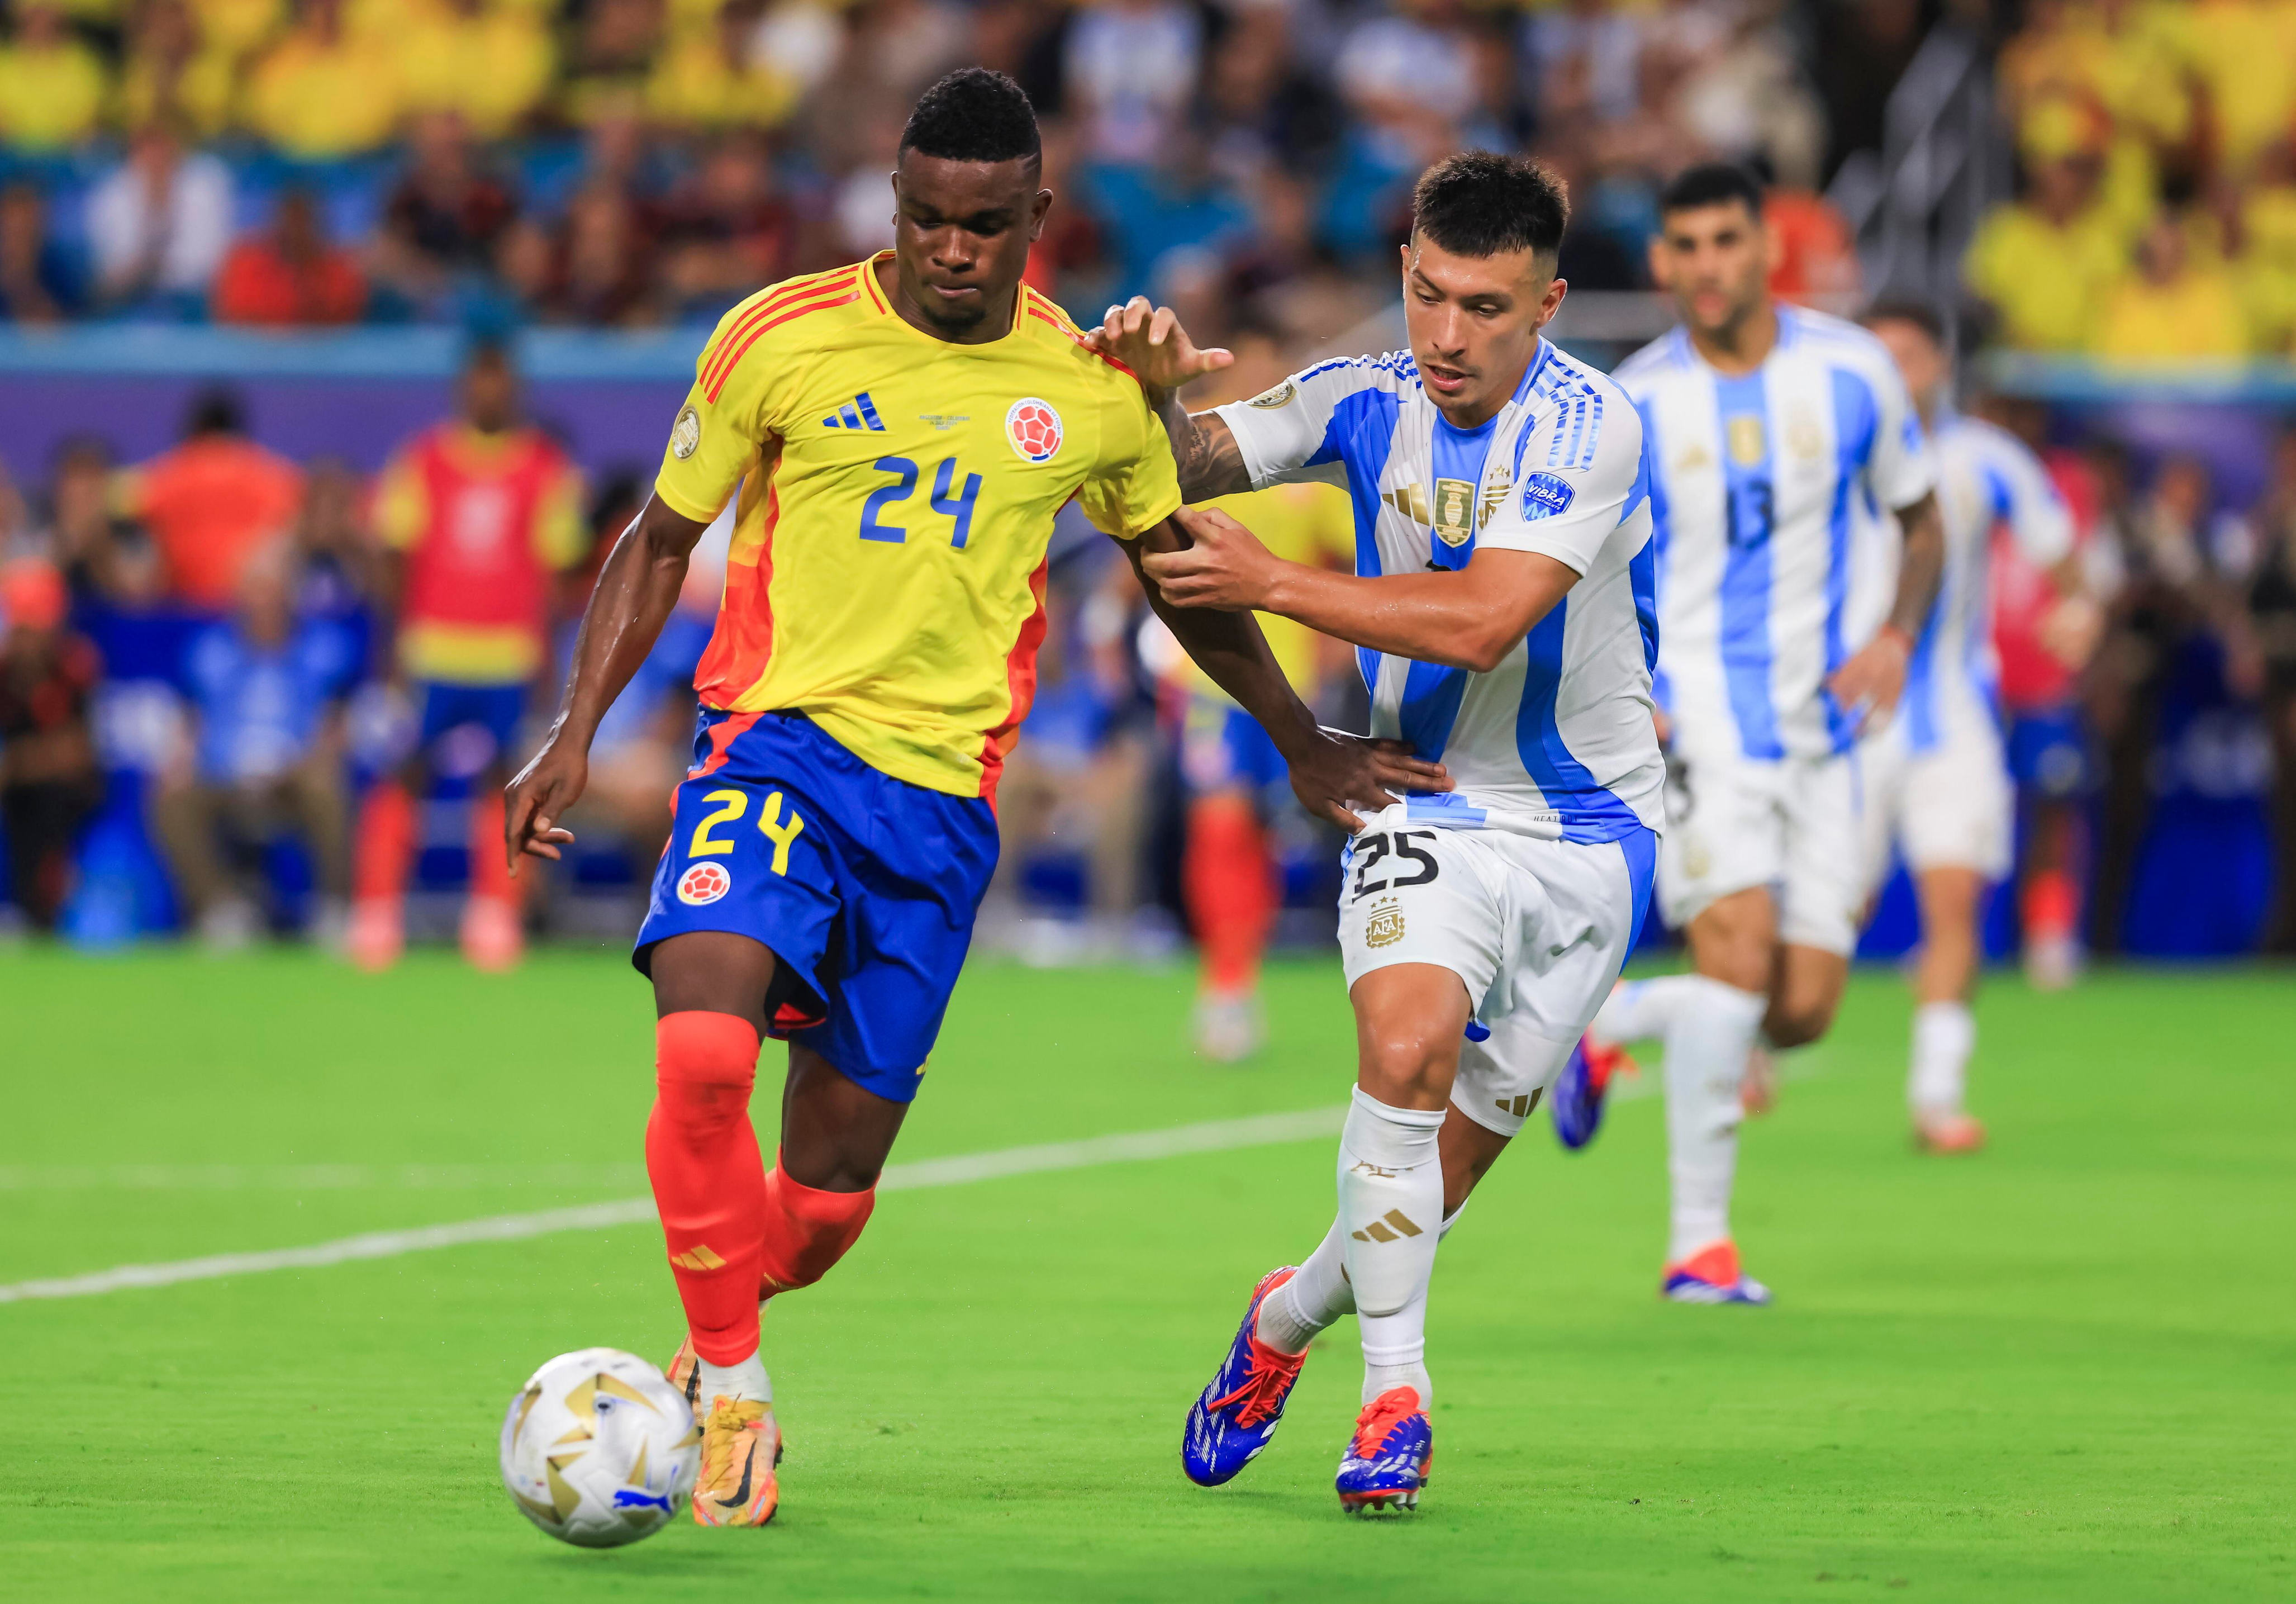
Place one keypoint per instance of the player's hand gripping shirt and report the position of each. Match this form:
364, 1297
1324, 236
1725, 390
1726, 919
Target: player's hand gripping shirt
897, 494
1755, 485
1558, 738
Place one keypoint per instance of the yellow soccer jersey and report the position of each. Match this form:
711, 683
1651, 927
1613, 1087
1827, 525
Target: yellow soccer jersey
1309, 524
896, 495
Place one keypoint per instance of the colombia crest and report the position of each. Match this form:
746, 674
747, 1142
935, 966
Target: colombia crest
1034, 427
704, 884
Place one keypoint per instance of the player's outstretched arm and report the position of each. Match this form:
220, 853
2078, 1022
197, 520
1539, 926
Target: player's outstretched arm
1470, 618
1868, 685
1334, 772
635, 590
1150, 342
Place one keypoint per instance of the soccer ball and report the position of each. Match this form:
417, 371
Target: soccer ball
599, 1450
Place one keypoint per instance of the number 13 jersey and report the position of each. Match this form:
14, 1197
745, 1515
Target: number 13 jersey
896, 498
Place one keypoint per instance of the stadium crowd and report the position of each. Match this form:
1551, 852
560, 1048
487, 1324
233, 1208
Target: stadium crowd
631, 161
2157, 143
207, 653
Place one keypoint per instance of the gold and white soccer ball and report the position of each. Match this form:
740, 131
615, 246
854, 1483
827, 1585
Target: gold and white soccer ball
599, 1450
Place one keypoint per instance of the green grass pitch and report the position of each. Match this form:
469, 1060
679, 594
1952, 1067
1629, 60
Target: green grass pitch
2066, 1369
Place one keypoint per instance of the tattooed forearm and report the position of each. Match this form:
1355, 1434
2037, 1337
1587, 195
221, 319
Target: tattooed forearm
1211, 461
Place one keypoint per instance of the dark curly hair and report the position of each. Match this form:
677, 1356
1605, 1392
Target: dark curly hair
973, 115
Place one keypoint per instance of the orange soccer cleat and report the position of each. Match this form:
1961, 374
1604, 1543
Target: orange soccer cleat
376, 935
494, 938
1949, 1133
740, 1452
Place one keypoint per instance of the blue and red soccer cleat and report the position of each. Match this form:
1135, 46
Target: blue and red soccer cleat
1580, 1090
1387, 1460
1236, 1416
1711, 1275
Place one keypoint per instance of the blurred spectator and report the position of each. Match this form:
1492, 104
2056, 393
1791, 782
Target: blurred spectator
1817, 260
288, 274
177, 67
475, 513
612, 52
489, 62
85, 537
2242, 53
715, 77
1131, 68
2272, 614
2115, 68
336, 558
1586, 59
728, 232
212, 502
40, 279
49, 779
2170, 308
446, 215
265, 687
895, 47
597, 267
320, 93
1176, 214
159, 223
2044, 264
51, 87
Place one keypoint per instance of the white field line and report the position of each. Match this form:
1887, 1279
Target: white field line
1217, 1136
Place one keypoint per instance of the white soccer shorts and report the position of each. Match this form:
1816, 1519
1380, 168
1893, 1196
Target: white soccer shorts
1536, 930
1733, 823
1951, 807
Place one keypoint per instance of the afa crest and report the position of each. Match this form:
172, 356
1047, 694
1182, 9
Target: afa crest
704, 884
1384, 928
1034, 427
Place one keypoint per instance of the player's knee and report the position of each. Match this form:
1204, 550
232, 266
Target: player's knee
704, 1066
1405, 1063
1798, 1022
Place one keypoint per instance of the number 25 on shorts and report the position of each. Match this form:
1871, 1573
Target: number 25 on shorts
731, 805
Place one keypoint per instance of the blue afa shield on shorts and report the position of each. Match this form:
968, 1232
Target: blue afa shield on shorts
863, 886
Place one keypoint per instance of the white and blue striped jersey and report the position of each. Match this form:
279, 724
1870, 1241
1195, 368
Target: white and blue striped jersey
1755, 487
1558, 738
1986, 480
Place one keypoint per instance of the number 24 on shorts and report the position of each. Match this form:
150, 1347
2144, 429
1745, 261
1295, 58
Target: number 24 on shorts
1372, 851
731, 805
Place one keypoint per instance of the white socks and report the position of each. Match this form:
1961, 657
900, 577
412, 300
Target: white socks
1312, 1301
1708, 1032
1637, 1010
746, 1379
1944, 1034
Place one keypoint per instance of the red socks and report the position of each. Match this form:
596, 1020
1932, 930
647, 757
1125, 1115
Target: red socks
489, 867
806, 1231
708, 1178
1231, 890
737, 1235
385, 845
2051, 908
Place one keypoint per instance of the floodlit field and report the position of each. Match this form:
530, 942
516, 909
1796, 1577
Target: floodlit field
2064, 1369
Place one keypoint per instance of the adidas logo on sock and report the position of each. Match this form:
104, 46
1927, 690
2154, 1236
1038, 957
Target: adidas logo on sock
1378, 1231
698, 1257
859, 412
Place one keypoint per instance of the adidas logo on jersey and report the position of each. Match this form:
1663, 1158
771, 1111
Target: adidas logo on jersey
859, 412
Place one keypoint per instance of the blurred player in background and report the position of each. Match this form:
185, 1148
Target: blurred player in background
1766, 424
1234, 775
1936, 780
1503, 619
477, 515
900, 433
2045, 635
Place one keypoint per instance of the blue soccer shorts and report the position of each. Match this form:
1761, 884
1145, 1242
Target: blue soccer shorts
496, 709
863, 886
2049, 751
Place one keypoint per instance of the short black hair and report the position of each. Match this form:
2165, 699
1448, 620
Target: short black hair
1920, 314
1711, 184
974, 115
1481, 203
214, 410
